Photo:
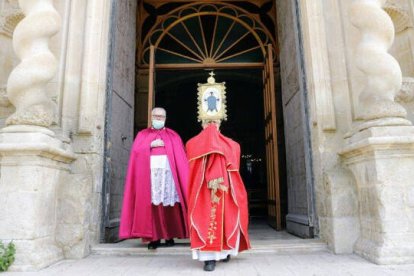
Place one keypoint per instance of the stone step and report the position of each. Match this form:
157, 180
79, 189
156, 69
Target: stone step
182, 247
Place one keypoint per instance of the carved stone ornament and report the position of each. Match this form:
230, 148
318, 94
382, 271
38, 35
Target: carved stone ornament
10, 16
399, 14
4, 101
406, 94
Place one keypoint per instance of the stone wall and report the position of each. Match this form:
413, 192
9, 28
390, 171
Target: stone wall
331, 115
81, 99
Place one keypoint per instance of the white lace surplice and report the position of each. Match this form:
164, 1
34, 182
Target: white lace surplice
162, 182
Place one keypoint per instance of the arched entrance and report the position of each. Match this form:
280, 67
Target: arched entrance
177, 44
230, 40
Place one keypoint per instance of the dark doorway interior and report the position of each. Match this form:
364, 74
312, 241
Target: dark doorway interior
176, 91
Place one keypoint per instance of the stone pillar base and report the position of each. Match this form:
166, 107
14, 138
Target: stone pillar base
393, 251
33, 255
32, 163
382, 161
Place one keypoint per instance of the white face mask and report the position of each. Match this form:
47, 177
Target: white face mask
158, 124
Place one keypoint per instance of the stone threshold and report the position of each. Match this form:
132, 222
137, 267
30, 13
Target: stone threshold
182, 247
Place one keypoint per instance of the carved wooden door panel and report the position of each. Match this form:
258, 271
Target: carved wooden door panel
272, 160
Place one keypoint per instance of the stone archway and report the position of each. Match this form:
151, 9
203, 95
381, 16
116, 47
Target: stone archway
301, 219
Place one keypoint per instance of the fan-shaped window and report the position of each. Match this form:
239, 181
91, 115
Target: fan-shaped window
207, 34
208, 39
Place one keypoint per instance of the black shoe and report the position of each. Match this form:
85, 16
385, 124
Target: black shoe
209, 265
153, 244
226, 260
169, 243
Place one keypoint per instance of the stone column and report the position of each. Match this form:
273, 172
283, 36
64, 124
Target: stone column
382, 71
26, 87
380, 151
32, 159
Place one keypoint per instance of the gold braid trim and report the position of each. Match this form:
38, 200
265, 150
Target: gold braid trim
214, 185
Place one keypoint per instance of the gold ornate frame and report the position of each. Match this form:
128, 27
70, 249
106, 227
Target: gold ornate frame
216, 99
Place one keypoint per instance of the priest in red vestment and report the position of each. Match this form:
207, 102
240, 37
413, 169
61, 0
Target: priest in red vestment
217, 202
217, 199
155, 196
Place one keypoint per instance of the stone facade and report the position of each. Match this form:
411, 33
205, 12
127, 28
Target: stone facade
379, 150
59, 157
340, 71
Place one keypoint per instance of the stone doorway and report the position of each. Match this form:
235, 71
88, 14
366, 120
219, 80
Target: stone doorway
159, 25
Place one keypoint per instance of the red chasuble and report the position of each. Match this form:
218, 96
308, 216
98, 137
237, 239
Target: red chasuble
137, 211
217, 199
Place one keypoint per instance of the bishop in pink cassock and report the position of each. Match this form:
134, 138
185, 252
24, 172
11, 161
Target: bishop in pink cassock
155, 205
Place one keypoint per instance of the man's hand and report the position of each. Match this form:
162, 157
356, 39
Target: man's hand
157, 143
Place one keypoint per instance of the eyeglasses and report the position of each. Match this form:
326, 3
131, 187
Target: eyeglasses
158, 116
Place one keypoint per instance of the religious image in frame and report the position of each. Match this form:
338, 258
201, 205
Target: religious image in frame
211, 100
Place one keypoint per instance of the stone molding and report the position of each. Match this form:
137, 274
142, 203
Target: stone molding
316, 51
98, 31
32, 140
363, 144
